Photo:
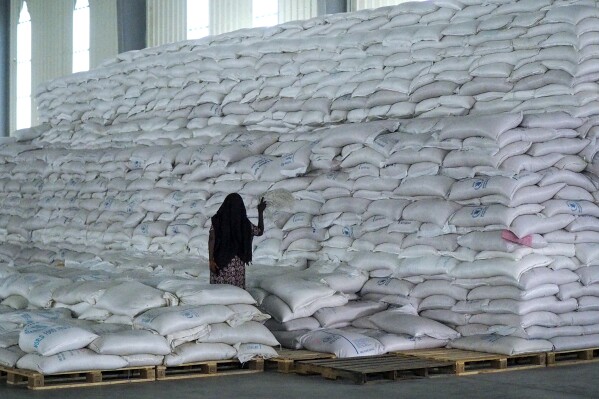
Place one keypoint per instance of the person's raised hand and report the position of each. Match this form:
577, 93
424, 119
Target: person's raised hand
262, 205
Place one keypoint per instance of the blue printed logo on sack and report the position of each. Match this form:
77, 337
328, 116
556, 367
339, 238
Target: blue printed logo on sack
32, 328
491, 337
188, 314
347, 231
574, 206
177, 196
287, 159
479, 212
329, 339
480, 183
385, 281
108, 203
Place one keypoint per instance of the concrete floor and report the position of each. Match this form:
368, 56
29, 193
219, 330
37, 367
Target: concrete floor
579, 381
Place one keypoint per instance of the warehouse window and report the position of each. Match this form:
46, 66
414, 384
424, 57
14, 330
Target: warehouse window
265, 12
24, 69
81, 36
198, 19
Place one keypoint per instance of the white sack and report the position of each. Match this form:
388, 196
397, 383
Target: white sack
296, 292
247, 352
416, 326
577, 342
133, 342
176, 318
303, 323
51, 338
280, 311
143, 359
72, 360
81, 291
500, 344
9, 356
131, 298
198, 352
340, 343
248, 332
192, 292
345, 314
243, 312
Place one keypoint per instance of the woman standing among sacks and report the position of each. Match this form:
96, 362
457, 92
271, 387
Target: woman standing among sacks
230, 241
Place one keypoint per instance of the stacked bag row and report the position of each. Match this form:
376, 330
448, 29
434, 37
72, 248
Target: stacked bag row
422, 59
490, 192
307, 312
473, 212
89, 323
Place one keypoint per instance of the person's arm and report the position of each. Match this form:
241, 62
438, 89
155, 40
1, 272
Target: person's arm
211, 261
261, 208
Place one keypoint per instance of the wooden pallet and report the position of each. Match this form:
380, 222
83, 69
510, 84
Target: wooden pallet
285, 361
471, 362
366, 368
79, 379
216, 368
576, 356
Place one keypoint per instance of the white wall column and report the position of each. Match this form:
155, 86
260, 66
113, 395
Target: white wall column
52, 43
167, 21
293, 10
230, 15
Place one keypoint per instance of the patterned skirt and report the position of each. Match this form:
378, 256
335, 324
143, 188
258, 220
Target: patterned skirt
233, 273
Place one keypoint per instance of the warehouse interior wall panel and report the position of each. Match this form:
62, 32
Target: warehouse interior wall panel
356, 5
4, 67
15, 8
230, 15
131, 24
52, 42
293, 10
103, 31
332, 6
166, 21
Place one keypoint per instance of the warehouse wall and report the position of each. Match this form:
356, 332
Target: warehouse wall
166, 23
131, 24
52, 37
167, 20
292, 10
356, 5
4, 67
229, 15
103, 31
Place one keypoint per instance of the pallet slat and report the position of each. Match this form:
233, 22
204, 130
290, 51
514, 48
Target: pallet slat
286, 359
575, 356
79, 379
362, 369
472, 362
216, 368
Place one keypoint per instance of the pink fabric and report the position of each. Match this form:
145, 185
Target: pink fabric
509, 236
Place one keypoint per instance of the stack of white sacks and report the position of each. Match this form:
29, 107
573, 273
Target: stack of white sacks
493, 253
474, 216
422, 59
125, 323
